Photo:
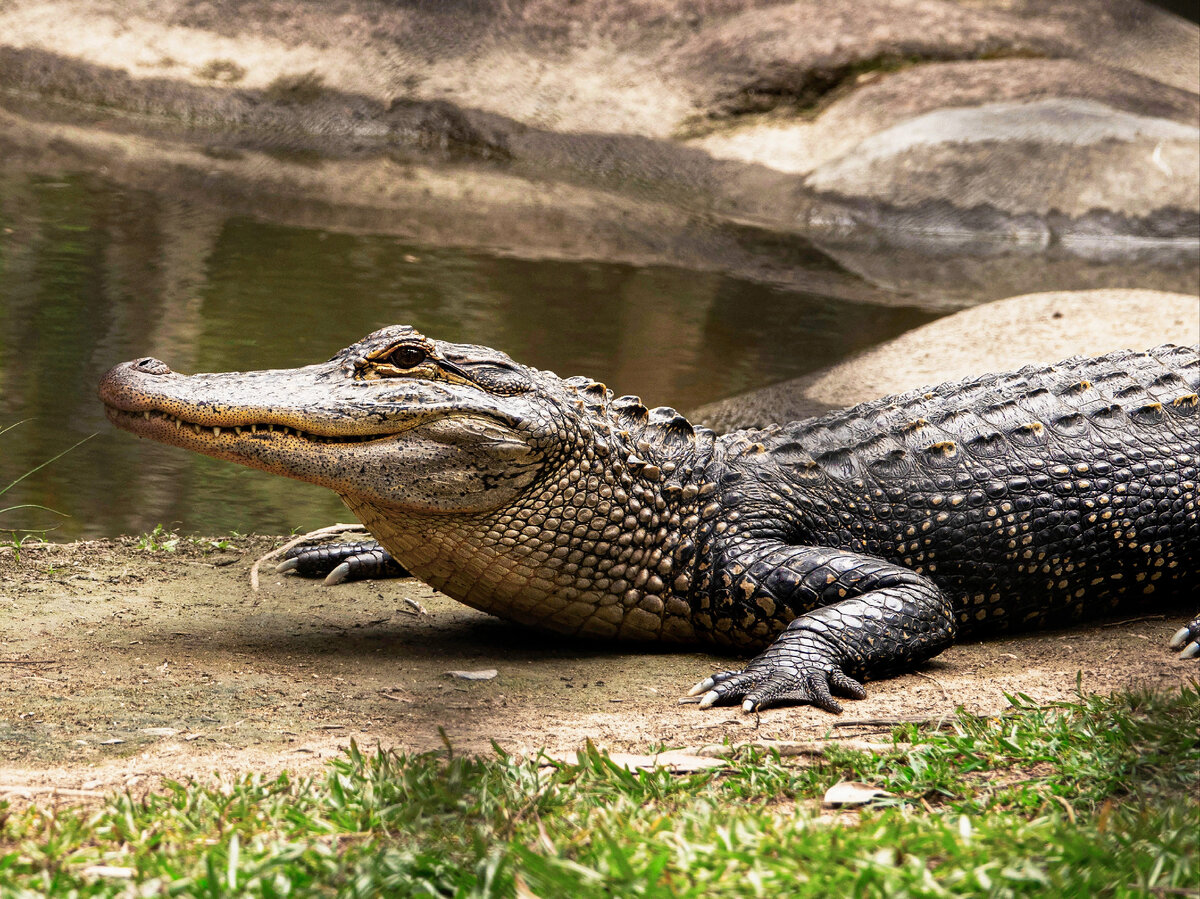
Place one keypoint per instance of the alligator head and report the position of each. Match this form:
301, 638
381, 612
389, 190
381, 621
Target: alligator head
506, 487
396, 419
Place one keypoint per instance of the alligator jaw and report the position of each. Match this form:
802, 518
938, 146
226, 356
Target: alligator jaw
203, 413
227, 438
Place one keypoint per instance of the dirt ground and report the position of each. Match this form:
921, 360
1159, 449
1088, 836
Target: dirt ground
122, 665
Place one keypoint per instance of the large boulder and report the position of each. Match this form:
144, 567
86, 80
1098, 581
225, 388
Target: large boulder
999, 336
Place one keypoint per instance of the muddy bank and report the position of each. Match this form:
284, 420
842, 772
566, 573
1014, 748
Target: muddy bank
122, 665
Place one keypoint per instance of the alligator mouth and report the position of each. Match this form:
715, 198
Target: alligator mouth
168, 428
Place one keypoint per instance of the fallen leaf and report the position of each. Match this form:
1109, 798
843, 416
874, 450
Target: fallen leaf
851, 792
107, 871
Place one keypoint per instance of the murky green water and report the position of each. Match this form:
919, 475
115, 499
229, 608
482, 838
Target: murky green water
91, 275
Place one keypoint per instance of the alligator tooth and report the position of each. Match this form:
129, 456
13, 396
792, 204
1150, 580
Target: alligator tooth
147, 414
253, 429
237, 430
196, 428
178, 424
216, 432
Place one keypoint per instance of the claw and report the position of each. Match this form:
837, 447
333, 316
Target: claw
338, 574
1181, 637
709, 698
1190, 651
288, 565
747, 706
704, 686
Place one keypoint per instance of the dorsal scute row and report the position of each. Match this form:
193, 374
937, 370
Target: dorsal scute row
660, 430
986, 416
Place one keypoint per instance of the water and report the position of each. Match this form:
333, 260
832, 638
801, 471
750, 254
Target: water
92, 274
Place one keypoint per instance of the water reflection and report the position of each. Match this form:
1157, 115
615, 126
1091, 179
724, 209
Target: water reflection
91, 275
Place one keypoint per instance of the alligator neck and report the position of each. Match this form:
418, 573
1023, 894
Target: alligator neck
605, 544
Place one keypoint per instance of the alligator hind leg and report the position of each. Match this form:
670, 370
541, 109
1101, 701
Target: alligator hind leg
861, 617
337, 562
1187, 639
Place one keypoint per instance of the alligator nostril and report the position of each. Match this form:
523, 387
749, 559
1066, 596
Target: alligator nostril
152, 366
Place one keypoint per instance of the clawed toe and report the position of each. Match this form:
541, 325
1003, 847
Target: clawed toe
723, 688
703, 687
758, 690
799, 668
709, 699
1187, 640
338, 574
338, 562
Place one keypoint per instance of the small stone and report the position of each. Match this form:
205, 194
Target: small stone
480, 674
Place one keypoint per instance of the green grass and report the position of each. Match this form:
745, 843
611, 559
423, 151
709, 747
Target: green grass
167, 540
161, 539
13, 541
1092, 798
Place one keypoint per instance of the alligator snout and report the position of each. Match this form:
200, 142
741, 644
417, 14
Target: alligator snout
126, 387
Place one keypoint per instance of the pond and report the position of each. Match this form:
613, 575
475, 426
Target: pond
95, 271
92, 274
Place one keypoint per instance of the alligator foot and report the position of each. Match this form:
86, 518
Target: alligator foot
338, 562
1187, 639
799, 667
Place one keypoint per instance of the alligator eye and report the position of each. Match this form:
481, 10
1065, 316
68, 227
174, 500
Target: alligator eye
408, 356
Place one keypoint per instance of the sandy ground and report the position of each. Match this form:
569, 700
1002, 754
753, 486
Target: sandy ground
121, 666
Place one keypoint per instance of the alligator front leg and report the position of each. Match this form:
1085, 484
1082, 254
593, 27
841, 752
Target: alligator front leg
862, 617
337, 562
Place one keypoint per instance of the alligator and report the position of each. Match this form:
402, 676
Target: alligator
841, 548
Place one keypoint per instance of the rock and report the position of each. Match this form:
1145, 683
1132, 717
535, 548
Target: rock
801, 144
480, 674
1006, 334
1052, 167
1036, 150
649, 132
944, 121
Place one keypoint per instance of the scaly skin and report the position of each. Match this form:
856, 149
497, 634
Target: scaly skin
845, 547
